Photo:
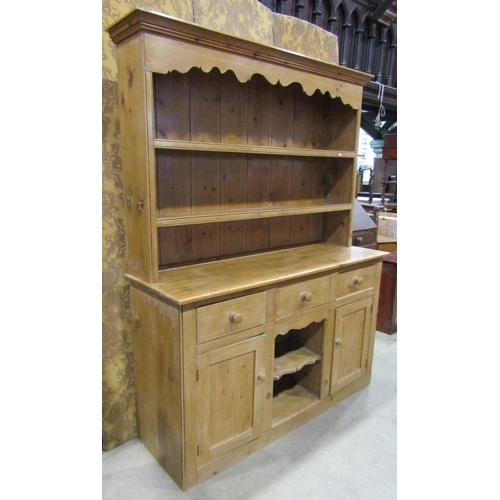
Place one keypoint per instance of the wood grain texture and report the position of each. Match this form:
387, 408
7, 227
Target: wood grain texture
387, 308
157, 352
234, 163
230, 397
214, 320
134, 146
196, 282
299, 297
351, 343
273, 64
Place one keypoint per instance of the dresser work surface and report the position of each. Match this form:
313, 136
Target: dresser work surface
197, 282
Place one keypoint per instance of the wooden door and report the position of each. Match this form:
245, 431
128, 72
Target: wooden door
351, 339
231, 394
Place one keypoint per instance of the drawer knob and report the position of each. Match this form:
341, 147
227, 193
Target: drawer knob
235, 317
338, 341
261, 377
357, 281
306, 296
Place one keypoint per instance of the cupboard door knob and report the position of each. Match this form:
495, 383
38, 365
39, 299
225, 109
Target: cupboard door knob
306, 296
338, 341
261, 377
357, 281
235, 317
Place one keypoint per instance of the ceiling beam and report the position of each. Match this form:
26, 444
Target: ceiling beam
380, 10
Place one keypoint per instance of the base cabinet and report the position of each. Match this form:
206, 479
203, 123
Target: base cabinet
271, 359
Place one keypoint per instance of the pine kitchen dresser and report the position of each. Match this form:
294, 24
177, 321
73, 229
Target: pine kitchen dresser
251, 311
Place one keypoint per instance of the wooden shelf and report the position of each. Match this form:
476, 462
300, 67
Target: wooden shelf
249, 149
293, 361
244, 214
291, 402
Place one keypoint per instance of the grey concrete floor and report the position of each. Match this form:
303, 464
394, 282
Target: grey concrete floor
346, 453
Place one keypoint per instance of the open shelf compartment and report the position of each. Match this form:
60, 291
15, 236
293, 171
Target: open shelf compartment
297, 370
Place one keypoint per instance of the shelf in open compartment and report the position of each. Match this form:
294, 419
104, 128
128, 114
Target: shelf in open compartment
183, 219
290, 401
293, 361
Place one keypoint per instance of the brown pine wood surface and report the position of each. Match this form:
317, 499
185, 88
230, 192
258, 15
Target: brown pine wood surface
251, 148
291, 402
294, 361
196, 282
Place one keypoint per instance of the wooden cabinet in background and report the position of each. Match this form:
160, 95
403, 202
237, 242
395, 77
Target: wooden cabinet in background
387, 309
364, 232
251, 311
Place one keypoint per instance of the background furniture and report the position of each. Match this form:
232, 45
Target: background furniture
364, 228
251, 312
386, 243
387, 307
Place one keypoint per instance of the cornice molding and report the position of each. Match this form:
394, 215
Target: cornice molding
144, 21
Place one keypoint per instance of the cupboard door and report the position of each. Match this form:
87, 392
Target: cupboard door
351, 339
231, 393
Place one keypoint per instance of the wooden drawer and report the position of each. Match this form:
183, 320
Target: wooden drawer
364, 238
353, 282
231, 316
302, 296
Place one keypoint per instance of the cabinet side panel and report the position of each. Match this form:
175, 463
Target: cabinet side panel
344, 126
134, 155
157, 353
336, 228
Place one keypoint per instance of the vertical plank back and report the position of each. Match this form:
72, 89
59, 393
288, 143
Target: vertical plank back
283, 111
205, 181
205, 105
258, 181
173, 180
172, 106
233, 181
260, 111
234, 110
175, 245
303, 122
